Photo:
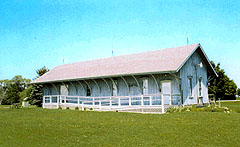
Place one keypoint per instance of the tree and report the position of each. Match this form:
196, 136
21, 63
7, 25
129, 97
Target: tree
222, 87
2, 94
36, 92
238, 92
13, 88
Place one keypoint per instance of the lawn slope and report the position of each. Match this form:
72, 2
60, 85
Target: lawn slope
44, 127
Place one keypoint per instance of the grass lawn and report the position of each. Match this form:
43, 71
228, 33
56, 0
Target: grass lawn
45, 127
233, 105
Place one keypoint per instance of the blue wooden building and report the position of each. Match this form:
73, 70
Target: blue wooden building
160, 78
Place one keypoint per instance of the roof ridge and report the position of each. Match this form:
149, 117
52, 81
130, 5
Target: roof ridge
125, 55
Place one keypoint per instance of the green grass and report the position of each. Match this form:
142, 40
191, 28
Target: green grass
233, 105
44, 127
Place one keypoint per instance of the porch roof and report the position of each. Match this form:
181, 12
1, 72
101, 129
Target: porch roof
164, 60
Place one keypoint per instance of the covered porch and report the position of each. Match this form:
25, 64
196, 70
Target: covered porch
113, 103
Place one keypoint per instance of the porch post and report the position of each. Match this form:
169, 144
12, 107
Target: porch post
78, 100
50, 99
93, 101
130, 101
170, 103
162, 104
110, 102
150, 100
43, 101
58, 101
142, 100
119, 101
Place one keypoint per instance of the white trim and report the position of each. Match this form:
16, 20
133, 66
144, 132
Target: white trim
198, 46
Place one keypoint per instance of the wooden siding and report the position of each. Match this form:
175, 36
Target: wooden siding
75, 89
193, 69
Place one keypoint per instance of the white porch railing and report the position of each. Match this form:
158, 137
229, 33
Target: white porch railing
112, 101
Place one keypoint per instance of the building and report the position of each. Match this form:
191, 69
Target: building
172, 76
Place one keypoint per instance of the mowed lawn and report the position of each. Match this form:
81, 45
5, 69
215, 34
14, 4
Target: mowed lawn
233, 105
44, 127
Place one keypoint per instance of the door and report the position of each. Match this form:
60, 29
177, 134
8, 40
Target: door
166, 91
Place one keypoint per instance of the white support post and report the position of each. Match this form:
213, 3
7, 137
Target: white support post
119, 101
50, 99
58, 102
142, 102
110, 102
43, 101
93, 101
170, 103
82, 106
78, 100
130, 101
162, 104
150, 100
100, 104
65, 99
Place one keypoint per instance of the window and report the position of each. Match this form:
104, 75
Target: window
145, 87
190, 86
88, 91
114, 88
200, 87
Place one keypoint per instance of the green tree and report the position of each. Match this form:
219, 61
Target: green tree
2, 94
36, 93
13, 88
238, 92
222, 87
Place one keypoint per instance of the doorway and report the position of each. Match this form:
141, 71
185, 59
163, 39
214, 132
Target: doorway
166, 91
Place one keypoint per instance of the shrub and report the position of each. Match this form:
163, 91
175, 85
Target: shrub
16, 106
67, 108
194, 108
91, 109
76, 108
59, 107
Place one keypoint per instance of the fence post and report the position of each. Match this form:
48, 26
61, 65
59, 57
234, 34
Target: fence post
82, 106
78, 100
57, 102
130, 101
119, 101
150, 100
162, 104
219, 102
43, 101
142, 100
93, 101
50, 99
100, 104
170, 100
111, 102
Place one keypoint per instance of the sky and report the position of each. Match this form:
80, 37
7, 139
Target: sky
34, 33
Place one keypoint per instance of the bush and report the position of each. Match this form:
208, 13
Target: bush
59, 107
76, 108
16, 106
91, 109
194, 108
67, 108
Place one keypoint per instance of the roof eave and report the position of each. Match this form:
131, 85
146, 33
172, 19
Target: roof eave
198, 46
112, 76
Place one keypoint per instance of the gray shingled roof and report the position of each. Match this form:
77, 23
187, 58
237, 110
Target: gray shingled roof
163, 60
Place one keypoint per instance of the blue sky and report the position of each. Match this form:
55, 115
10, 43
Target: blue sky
34, 33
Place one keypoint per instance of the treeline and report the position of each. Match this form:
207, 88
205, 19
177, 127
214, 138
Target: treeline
18, 88
222, 86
